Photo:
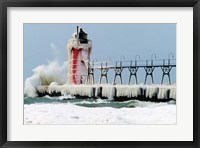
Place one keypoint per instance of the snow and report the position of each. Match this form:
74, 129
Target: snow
73, 114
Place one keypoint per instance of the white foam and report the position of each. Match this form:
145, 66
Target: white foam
45, 75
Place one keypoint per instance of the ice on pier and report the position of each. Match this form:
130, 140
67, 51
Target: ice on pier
82, 90
112, 91
173, 91
108, 91
151, 91
128, 91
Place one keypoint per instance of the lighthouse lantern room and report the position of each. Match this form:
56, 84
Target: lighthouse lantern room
79, 49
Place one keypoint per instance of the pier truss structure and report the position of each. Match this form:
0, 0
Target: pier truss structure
132, 65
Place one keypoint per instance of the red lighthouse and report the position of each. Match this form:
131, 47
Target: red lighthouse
79, 49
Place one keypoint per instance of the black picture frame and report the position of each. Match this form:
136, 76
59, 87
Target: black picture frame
4, 4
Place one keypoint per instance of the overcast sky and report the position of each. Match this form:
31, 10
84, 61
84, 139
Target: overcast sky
47, 42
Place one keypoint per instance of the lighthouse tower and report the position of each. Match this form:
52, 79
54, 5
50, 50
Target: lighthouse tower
79, 50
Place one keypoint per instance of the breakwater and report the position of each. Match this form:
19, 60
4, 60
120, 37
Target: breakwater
115, 92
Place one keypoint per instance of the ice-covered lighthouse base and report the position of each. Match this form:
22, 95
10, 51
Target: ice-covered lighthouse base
115, 92
79, 50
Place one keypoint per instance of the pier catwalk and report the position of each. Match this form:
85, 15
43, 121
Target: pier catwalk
118, 66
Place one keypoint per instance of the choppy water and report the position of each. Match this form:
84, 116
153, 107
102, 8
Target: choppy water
92, 102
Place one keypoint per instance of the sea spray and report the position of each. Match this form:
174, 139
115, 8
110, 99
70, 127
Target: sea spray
45, 75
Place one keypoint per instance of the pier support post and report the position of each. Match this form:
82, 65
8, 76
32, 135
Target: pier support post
133, 71
104, 73
118, 72
149, 72
166, 71
90, 76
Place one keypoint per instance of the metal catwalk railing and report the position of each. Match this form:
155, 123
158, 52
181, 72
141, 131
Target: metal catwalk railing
118, 66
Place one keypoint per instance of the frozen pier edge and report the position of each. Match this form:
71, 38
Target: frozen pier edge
115, 92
